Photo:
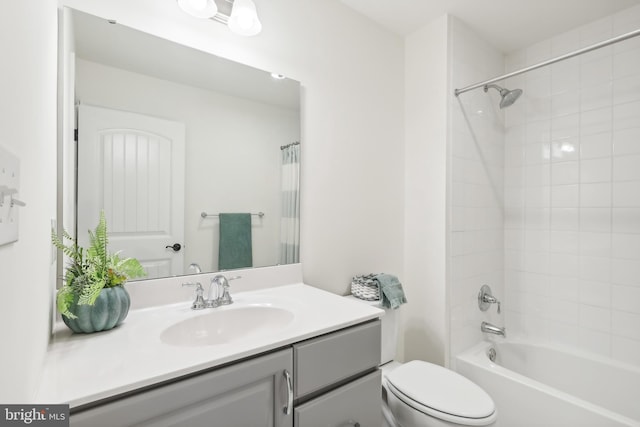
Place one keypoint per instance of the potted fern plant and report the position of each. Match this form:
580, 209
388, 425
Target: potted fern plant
93, 297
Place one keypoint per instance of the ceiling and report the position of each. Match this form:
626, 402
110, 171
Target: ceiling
98, 40
506, 24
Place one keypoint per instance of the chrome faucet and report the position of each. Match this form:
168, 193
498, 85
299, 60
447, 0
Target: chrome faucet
492, 329
195, 267
199, 302
222, 285
221, 297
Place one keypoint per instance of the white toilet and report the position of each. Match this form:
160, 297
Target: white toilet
421, 394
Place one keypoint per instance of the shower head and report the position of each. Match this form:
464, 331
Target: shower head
508, 97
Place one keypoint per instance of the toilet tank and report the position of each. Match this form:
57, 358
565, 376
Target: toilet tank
389, 328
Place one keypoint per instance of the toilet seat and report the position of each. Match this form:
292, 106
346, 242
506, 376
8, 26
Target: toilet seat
441, 393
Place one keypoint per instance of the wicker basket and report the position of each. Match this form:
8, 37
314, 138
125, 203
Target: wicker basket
365, 287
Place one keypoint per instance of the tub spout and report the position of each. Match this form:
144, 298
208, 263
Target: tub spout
492, 329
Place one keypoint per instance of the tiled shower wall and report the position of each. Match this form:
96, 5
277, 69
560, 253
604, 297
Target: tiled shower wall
476, 187
572, 193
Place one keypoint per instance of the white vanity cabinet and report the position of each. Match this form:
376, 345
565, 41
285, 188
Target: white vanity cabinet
330, 380
245, 394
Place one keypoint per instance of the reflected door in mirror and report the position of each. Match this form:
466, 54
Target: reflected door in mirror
132, 166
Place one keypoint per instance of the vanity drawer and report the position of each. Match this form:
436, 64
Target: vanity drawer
356, 403
326, 360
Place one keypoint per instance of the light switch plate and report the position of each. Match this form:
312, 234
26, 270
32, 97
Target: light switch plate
9, 188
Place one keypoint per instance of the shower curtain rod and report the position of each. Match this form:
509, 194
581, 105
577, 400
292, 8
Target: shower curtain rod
282, 147
551, 61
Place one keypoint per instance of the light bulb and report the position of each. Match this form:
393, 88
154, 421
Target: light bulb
199, 8
244, 18
198, 4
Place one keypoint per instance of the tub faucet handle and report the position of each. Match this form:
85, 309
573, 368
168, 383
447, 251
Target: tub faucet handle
486, 298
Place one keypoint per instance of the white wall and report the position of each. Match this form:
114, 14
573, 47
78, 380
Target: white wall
476, 187
426, 101
232, 158
352, 156
28, 129
572, 231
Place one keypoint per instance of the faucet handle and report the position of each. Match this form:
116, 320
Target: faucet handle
226, 296
199, 303
486, 298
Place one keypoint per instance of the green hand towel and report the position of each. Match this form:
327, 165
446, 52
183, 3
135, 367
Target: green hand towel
234, 249
391, 292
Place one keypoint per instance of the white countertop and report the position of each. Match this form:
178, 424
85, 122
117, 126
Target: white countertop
81, 369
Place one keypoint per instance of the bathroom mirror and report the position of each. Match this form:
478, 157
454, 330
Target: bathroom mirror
169, 137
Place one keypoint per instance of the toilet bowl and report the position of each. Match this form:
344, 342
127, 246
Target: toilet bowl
422, 394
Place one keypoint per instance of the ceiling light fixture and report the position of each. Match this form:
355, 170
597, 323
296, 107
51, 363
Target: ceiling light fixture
240, 16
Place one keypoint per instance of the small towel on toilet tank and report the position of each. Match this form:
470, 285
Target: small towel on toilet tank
391, 292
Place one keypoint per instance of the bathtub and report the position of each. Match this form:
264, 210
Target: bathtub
538, 385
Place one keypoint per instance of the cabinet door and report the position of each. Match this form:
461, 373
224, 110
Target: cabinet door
358, 403
246, 394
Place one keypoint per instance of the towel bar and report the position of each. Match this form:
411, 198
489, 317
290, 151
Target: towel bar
206, 215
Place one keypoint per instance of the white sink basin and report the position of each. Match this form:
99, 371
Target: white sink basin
227, 325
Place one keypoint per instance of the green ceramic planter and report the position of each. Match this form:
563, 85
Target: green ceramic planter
110, 309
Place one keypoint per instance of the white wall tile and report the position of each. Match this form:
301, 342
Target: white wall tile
564, 241
564, 287
625, 349
595, 170
595, 121
565, 196
565, 173
537, 132
595, 293
625, 324
595, 244
626, 168
625, 272
595, 219
595, 268
596, 72
565, 127
595, 145
625, 298
575, 217
595, 341
565, 218
626, 115
566, 149
595, 195
626, 63
626, 89
626, 194
596, 96
563, 76
563, 264
625, 246
563, 311
595, 318
564, 103
625, 141
626, 220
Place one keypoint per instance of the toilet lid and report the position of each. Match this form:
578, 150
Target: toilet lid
428, 388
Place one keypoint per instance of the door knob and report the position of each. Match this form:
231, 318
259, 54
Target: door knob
176, 247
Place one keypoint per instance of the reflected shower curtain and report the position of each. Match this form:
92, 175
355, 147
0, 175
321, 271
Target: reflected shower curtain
290, 218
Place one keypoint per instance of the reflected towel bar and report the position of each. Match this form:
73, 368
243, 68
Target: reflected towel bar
206, 215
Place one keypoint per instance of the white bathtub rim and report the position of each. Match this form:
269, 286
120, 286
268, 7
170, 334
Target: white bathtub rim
477, 356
